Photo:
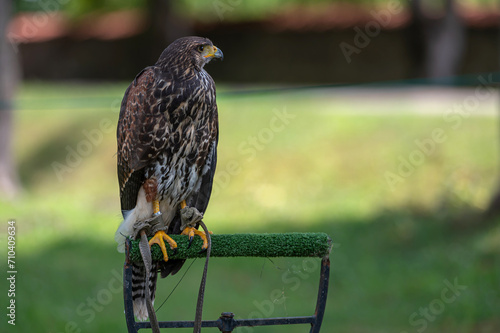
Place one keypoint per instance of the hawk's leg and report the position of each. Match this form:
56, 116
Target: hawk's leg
190, 216
161, 236
151, 186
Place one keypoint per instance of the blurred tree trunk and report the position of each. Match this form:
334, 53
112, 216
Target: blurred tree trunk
494, 207
9, 77
165, 25
441, 35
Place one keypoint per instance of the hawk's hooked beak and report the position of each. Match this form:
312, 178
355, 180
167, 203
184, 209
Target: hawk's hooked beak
216, 53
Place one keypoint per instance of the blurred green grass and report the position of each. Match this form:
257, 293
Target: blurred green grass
319, 169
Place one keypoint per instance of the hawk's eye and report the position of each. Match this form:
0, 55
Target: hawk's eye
201, 47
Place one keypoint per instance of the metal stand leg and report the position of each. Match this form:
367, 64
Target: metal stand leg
322, 294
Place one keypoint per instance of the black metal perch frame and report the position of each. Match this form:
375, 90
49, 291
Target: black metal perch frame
226, 322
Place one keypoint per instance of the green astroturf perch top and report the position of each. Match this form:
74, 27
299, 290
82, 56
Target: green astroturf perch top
245, 245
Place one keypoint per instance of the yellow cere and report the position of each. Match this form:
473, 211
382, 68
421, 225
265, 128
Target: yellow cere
210, 54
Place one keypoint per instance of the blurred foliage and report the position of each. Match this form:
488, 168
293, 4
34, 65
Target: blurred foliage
78, 8
231, 10
241, 10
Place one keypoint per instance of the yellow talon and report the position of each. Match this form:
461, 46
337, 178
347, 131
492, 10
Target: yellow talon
190, 231
159, 239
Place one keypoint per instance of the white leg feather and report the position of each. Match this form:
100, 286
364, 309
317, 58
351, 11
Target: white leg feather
142, 210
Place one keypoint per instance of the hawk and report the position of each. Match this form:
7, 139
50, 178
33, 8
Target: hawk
167, 151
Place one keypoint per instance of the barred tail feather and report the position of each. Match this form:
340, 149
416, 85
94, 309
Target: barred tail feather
139, 291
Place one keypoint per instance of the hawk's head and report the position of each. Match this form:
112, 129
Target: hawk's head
190, 52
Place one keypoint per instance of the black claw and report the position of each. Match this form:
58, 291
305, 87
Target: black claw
174, 250
190, 241
202, 251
